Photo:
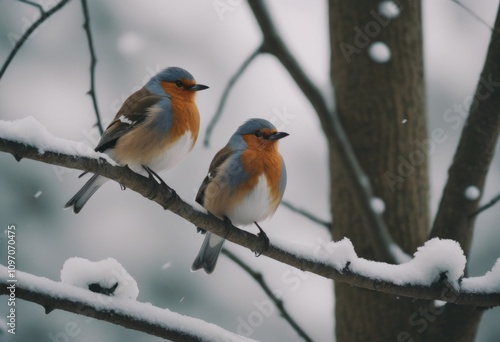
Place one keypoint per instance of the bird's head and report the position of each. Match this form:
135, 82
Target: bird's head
176, 83
260, 134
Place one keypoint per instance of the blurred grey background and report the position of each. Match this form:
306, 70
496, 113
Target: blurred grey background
50, 77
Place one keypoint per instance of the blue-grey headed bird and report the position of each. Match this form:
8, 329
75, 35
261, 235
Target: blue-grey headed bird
156, 127
245, 183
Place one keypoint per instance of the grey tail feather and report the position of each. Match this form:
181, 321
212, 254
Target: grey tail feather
208, 254
83, 195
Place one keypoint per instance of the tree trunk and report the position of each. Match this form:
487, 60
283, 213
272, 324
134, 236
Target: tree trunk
382, 107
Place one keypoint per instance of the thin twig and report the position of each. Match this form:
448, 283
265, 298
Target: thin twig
34, 4
257, 276
383, 244
472, 13
44, 16
308, 215
93, 61
229, 86
488, 205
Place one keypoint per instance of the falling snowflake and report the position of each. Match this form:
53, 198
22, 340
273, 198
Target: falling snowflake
472, 192
379, 52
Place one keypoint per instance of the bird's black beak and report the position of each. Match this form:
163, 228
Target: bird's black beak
278, 135
198, 87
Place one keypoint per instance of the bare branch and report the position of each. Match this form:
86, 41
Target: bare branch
257, 276
44, 16
308, 215
225, 94
169, 200
34, 4
93, 61
474, 153
488, 205
473, 14
383, 243
127, 313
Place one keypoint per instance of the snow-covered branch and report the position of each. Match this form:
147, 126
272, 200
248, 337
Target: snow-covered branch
435, 272
128, 313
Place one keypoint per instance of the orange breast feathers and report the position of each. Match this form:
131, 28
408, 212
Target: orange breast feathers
184, 111
263, 158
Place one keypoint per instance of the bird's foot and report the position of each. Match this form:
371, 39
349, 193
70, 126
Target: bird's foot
263, 236
154, 176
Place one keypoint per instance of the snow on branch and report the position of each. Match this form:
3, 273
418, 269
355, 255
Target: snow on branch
121, 311
435, 272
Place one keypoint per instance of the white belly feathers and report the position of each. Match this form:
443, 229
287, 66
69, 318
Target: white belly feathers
256, 206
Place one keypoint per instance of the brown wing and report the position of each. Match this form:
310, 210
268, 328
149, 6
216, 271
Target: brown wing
132, 113
219, 158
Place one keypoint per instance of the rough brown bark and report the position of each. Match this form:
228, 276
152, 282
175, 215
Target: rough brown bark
373, 99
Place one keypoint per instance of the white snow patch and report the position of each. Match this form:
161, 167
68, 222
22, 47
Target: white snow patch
334, 253
163, 318
166, 265
338, 253
107, 273
31, 132
379, 52
388, 9
439, 303
488, 283
435, 257
378, 205
38, 194
472, 193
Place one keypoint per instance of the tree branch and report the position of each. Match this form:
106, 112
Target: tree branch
473, 14
127, 313
34, 4
44, 16
93, 61
308, 215
488, 205
225, 94
306, 261
474, 153
257, 276
386, 249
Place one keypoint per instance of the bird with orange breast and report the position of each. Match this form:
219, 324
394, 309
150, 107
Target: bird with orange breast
245, 184
156, 127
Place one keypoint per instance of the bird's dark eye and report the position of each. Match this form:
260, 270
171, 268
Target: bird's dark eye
258, 134
178, 84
